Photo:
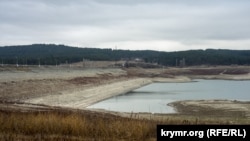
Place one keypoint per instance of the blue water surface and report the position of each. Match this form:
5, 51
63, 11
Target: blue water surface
154, 98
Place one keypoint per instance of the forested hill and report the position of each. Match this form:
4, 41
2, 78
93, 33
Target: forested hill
51, 54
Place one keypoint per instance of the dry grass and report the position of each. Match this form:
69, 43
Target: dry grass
72, 126
63, 125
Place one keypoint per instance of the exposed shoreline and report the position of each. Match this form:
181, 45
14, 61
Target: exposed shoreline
92, 95
54, 100
80, 88
81, 99
213, 107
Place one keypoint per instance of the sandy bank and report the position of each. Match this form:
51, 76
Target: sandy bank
81, 98
213, 107
223, 76
85, 97
176, 79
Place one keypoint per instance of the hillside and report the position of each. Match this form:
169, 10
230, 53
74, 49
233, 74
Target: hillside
50, 54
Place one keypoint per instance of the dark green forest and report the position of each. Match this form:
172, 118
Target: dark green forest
50, 54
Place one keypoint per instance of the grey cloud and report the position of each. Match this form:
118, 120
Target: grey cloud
126, 20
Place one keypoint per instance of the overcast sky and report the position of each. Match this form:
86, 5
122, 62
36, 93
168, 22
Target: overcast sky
164, 25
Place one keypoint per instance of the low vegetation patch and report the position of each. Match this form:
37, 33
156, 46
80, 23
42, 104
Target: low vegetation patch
72, 126
81, 125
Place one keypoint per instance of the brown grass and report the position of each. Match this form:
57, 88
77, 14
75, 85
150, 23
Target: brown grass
72, 126
66, 125
63, 124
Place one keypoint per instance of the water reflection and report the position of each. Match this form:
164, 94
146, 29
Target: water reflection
155, 97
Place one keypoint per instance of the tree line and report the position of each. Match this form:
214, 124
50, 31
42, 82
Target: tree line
51, 54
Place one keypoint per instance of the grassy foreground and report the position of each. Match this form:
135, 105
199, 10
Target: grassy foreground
72, 126
79, 125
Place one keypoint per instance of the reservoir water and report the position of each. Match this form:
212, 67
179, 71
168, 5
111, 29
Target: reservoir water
154, 98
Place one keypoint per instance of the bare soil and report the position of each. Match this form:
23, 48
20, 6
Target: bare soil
215, 108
